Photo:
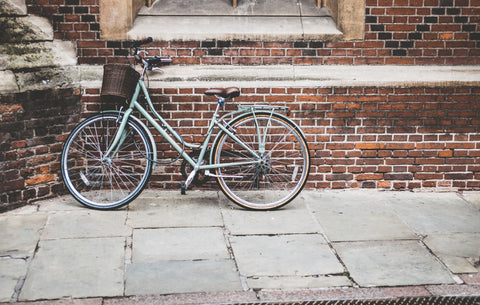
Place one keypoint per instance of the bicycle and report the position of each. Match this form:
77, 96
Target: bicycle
260, 158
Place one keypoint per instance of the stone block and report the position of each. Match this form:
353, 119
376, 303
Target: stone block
20, 233
391, 263
167, 277
70, 268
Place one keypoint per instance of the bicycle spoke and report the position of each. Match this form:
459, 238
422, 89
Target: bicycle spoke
105, 182
279, 174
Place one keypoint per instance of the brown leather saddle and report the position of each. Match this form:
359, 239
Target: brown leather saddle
226, 93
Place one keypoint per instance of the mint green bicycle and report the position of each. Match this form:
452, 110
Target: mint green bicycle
260, 158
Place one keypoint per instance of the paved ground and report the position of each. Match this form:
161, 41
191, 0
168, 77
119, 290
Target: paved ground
198, 249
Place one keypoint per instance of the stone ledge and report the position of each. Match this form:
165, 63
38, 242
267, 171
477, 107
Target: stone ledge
234, 28
206, 76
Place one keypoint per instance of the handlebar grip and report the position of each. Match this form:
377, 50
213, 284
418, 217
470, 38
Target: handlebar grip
137, 43
158, 61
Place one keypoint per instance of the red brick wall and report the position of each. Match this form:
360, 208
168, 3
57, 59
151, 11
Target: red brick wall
360, 137
396, 32
374, 137
33, 126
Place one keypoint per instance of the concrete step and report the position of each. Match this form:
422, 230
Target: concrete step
206, 76
260, 19
233, 28
257, 8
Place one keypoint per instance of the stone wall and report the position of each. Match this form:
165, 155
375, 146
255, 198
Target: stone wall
39, 102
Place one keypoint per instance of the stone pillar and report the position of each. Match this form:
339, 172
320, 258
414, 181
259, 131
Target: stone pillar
117, 17
349, 16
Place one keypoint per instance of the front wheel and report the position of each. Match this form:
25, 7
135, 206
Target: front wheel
276, 175
105, 182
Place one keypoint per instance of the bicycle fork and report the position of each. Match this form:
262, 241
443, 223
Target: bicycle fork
120, 137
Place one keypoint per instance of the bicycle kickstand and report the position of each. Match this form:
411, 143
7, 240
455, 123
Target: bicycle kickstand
189, 180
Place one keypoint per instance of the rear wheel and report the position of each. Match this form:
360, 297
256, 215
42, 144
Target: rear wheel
106, 182
280, 171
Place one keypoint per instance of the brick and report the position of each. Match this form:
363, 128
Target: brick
371, 176
459, 176
369, 146
18, 144
398, 176
91, 44
400, 146
12, 185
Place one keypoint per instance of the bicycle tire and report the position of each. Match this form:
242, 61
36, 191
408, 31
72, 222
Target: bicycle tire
113, 182
284, 170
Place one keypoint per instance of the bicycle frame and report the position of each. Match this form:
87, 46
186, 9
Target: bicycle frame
164, 129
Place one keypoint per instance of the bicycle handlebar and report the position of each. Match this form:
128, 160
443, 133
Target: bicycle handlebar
151, 62
137, 43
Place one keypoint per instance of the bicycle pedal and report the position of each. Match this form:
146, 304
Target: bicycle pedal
183, 189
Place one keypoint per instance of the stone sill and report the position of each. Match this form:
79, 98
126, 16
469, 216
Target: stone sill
185, 28
205, 76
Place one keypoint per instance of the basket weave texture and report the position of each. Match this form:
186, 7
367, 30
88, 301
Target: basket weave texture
119, 81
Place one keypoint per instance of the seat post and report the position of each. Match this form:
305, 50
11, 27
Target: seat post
221, 100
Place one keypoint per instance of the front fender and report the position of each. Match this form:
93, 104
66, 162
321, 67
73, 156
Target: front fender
145, 129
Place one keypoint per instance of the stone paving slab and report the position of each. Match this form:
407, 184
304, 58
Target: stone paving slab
168, 209
179, 244
76, 268
164, 243
288, 220
26, 231
166, 277
64, 203
284, 255
435, 213
472, 198
391, 263
350, 217
84, 224
460, 252
12, 270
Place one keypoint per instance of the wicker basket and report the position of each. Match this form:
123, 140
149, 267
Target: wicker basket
119, 81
